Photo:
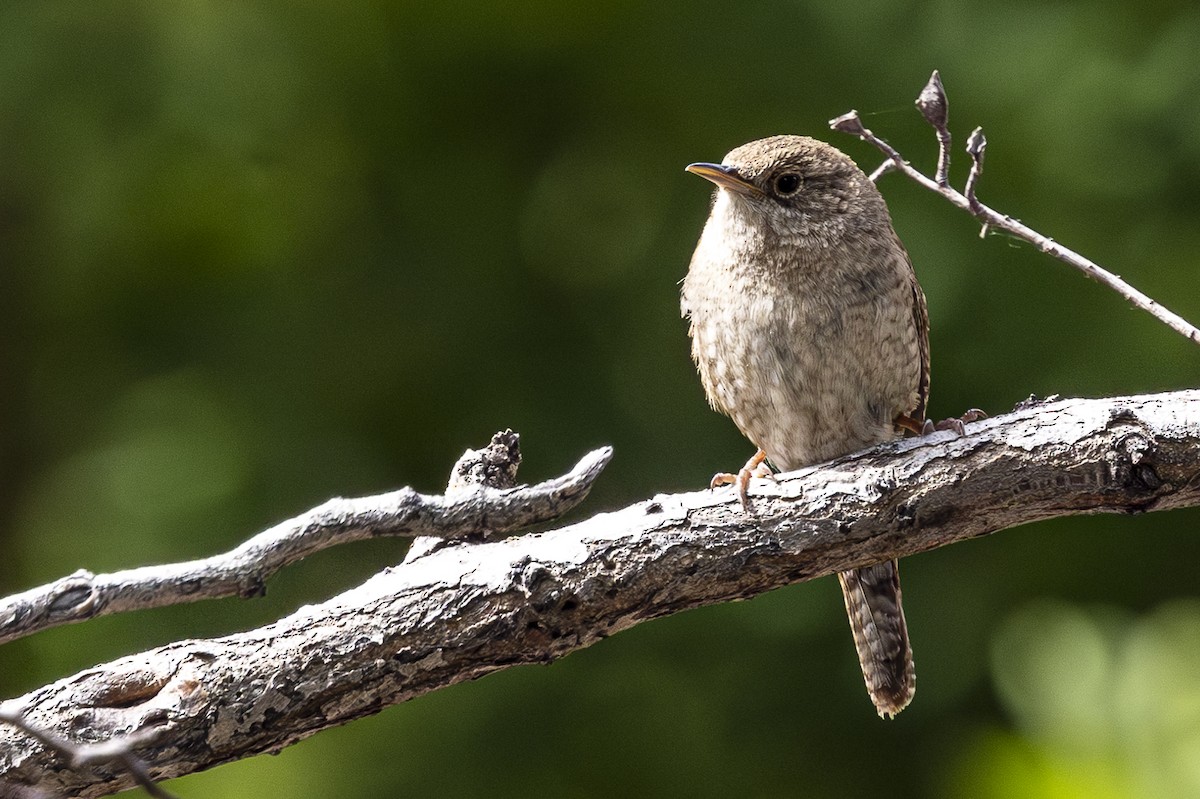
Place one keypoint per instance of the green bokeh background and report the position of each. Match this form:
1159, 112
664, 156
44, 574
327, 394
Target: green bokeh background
257, 254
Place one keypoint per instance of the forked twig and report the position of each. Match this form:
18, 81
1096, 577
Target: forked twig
934, 108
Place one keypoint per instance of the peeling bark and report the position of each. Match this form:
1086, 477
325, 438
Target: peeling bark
469, 609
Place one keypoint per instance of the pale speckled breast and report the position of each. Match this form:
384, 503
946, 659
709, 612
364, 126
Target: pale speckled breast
812, 366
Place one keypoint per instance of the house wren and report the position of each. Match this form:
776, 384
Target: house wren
810, 331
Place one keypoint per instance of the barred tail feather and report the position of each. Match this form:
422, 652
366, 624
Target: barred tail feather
872, 597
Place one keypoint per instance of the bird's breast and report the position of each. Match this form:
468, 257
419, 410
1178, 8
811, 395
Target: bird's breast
810, 364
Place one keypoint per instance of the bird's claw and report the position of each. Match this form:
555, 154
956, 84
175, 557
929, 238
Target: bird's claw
755, 467
956, 424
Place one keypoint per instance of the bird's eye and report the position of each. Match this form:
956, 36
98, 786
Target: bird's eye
787, 183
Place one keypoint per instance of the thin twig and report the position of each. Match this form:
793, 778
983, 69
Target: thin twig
851, 123
881, 170
471, 511
976, 148
115, 750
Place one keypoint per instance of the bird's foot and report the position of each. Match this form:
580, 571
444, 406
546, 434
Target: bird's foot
924, 428
755, 467
955, 424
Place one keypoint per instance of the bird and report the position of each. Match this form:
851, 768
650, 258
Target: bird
810, 331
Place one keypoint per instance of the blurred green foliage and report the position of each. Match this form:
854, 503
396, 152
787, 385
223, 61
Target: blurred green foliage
257, 254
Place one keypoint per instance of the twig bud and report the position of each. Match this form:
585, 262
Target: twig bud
976, 145
932, 103
848, 123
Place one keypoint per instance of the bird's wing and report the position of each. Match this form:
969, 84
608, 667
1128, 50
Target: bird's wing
920, 315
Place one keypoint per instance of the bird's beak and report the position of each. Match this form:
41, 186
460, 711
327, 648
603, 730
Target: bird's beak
724, 176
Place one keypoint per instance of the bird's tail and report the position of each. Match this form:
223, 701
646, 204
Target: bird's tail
873, 604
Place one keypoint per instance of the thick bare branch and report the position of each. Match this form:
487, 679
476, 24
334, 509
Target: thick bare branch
471, 609
932, 104
470, 509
